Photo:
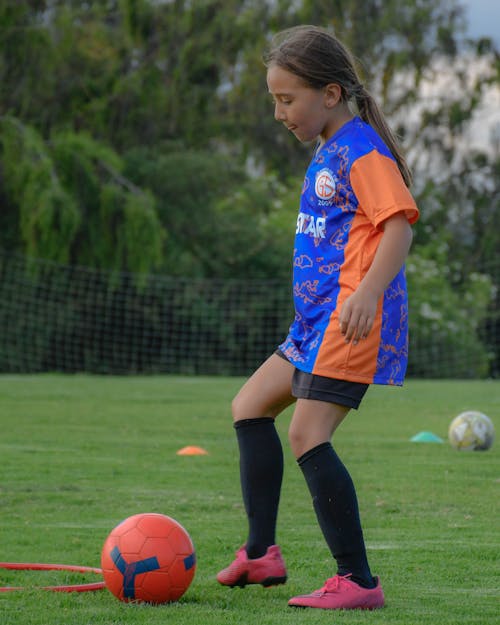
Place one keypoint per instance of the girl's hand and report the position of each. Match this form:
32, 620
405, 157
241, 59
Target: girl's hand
357, 315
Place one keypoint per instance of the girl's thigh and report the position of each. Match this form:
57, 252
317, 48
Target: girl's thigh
267, 392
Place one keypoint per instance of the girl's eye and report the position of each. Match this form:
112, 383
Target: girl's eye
275, 101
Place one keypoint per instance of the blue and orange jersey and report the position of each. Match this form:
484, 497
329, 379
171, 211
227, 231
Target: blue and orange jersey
351, 187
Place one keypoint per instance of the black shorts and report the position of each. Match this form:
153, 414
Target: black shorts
311, 386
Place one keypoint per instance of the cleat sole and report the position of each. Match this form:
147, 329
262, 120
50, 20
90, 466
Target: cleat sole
242, 581
273, 581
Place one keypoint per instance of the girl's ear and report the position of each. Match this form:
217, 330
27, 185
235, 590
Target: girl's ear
333, 94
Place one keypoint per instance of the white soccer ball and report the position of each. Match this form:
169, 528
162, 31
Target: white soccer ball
471, 431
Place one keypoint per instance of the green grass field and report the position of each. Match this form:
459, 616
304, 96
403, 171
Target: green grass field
80, 453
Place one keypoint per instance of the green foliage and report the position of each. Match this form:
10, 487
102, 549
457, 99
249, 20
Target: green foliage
49, 218
75, 205
220, 221
142, 233
255, 231
122, 229
446, 318
463, 213
139, 135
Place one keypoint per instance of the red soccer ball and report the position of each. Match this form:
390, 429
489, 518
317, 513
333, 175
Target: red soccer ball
148, 558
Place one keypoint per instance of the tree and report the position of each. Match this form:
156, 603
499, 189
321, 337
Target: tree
186, 81
447, 317
138, 135
219, 222
74, 204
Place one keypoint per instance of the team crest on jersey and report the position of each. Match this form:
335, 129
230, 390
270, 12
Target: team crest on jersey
325, 186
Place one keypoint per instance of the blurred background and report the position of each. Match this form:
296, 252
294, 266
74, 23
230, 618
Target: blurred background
148, 198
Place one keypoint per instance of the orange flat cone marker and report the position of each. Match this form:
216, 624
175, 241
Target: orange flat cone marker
192, 450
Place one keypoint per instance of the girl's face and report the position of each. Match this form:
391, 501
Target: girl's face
308, 113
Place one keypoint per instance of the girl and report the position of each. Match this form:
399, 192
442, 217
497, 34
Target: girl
350, 329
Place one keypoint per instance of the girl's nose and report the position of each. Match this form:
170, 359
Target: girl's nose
279, 115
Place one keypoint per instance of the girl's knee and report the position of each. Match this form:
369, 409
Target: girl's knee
242, 408
298, 441
237, 408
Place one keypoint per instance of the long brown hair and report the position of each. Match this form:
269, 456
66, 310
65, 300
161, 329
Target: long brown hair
318, 58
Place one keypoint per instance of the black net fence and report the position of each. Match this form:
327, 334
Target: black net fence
75, 319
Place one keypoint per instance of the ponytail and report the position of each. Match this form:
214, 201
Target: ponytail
370, 112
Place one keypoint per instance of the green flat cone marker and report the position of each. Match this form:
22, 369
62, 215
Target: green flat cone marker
426, 437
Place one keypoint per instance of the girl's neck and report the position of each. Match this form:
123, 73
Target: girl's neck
342, 116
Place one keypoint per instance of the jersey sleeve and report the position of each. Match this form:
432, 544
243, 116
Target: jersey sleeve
380, 188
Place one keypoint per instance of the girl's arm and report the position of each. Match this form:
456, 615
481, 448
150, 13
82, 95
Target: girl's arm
358, 311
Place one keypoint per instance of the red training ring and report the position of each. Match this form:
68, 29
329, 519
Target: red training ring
34, 566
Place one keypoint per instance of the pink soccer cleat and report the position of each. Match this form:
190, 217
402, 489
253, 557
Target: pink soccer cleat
269, 570
340, 593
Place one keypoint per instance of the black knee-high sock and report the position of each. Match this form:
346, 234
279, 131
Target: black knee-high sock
336, 506
261, 474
